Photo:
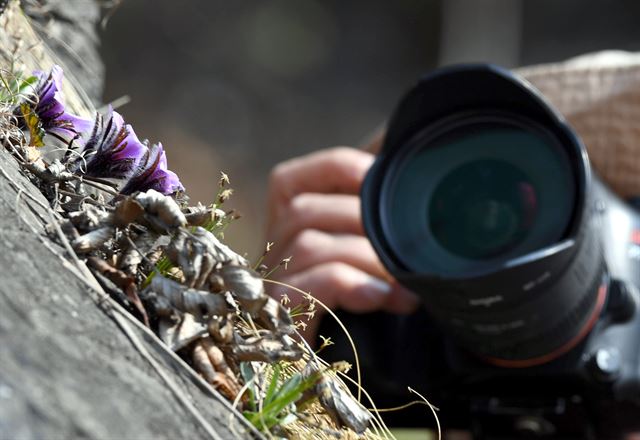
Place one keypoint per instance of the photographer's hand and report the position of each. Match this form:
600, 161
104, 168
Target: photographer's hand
314, 217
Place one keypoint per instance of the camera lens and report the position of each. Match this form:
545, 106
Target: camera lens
482, 202
469, 192
482, 209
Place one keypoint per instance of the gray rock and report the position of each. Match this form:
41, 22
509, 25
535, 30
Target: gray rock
67, 370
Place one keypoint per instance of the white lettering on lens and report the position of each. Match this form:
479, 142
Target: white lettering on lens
498, 328
487, 302
541, 279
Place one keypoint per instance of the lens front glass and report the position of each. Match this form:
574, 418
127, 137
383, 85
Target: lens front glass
482, 209
475, 193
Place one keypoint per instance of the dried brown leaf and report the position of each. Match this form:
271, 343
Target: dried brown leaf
275, 317
223, 383
203, 215
162, 211
196, 302
123, 281
220, 252
246, 285
127, 211
69, 230
343, 408
93, 240
178, 335
266, 350
221, 328
90, 218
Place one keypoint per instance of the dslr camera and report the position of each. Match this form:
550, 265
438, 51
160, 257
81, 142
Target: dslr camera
483, 202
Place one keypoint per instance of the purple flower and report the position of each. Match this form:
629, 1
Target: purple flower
112, 149
152, 173
50, 108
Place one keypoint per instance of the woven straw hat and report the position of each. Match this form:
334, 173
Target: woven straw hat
599, 95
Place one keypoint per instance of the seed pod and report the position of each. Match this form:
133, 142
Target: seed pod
93, 240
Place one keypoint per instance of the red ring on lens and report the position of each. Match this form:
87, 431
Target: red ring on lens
525, 363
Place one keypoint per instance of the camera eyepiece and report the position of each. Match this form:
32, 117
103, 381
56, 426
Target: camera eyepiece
480, 202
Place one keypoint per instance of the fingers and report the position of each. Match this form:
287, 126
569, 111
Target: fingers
328, 212
337, 170
339, 285
312, 247
314, 217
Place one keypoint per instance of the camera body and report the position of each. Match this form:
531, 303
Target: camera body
483, 202
590, 392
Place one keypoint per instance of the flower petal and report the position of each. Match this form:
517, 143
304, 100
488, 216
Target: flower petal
50, 107
153, 174
112, 149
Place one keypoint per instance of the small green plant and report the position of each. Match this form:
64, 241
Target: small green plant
13, 88
280, 397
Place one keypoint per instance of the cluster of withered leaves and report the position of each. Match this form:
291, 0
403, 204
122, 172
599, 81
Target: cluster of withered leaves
196, 304
161, 260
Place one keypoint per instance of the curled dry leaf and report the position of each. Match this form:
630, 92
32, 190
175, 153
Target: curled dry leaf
123, 281
217, 358
343, 408
199, 253
203, 215
215, 282
178, 335
246, 285
162, 307
161, 211
196, 302
220, 252
192, 258
54, 172
127, 211
132, 256
266, 350
275, 317
93, 240
202, 278
221, 328
90, 218
223, 383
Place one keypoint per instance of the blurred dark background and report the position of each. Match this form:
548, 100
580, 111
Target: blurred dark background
242, 85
